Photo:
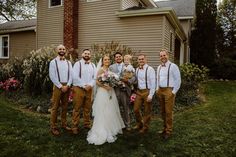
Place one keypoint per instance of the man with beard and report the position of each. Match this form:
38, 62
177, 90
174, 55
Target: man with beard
123, 93
84, 78
60, 73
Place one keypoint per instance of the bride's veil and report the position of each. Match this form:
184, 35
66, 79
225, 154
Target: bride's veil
99, 65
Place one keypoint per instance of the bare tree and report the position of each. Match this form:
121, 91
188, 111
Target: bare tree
17, 10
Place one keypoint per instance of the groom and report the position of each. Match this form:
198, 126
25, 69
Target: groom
123, 94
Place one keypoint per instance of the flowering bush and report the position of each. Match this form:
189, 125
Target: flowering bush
110, 48
109, 78
36, 70
12, 69
10, 85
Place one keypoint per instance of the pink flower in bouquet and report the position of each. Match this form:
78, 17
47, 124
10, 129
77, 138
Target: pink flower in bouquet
109, 78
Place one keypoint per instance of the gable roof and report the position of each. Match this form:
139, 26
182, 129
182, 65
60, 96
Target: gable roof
18, 26
182, 8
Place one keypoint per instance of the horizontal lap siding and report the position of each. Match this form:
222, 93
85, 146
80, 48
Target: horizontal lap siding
168, 30
49, 24
22, 43
99, 24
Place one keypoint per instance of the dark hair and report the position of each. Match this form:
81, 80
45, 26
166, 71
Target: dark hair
117, 53
86, 50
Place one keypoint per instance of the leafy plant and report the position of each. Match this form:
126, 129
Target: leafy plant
36, 70
110, 49
192, 75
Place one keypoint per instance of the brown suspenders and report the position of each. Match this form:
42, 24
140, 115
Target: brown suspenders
168, 75
145, 76
68, 73
80, 70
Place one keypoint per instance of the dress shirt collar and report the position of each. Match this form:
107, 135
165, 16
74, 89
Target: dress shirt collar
144, 67
85, 62
60, 58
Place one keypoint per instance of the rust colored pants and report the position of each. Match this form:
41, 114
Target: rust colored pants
82, 99
166, 100
141, 100
59, 98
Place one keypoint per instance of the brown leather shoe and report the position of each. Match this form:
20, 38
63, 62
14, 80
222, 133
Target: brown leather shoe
87, 127
137, 127
75, 131
55, 131
143, 130
66, 128
166, 136
128, 129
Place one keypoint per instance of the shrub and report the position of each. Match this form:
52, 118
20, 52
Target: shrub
191, 76
12, 69
36, 70
224, 69
110, 49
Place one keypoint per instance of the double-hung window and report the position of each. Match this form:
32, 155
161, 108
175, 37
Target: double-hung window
4, 46
54, 3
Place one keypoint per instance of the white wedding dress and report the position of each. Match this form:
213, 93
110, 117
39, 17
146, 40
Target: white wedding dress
107, 121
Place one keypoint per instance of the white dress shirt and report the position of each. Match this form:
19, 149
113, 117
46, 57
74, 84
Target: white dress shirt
88, 74
120, 67
151, 80
63, 72
174, 76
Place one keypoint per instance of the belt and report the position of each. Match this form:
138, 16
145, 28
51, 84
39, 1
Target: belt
142, 90
81, 88
166, 87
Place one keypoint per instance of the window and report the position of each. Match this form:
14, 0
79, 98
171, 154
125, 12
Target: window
4, 46
53, 3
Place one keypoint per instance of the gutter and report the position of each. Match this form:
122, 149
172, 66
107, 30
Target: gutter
18, 30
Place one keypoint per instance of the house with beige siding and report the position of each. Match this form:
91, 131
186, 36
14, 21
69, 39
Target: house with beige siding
143, 25
17, 38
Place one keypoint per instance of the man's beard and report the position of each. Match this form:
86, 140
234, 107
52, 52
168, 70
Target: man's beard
61, 54
119, 61
86, 58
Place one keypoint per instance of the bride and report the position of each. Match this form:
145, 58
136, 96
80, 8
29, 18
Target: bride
107, 121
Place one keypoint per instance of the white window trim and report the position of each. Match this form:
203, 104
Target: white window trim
92, 0
49, 4
1, 36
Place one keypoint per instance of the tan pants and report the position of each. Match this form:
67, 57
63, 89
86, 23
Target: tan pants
59, 98
141, 100
83, 99
166, 100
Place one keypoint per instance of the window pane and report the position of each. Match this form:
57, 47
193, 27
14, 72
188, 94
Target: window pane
55, 2
5, 51
5, 41
4, 46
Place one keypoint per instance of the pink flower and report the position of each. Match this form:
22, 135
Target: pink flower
132, 97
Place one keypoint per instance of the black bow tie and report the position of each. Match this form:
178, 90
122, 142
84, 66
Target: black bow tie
163, 65
62, 59
86, 62
141, 67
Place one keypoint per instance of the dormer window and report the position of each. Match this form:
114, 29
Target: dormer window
54, 3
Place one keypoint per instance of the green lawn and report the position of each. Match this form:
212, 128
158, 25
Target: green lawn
203, 130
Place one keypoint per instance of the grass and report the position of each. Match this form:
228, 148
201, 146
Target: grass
207, 130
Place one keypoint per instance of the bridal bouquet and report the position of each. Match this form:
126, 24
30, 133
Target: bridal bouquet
109, 78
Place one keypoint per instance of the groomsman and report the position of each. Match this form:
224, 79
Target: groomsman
168, 83
84, 79
145, 90
60, 73
123, 94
